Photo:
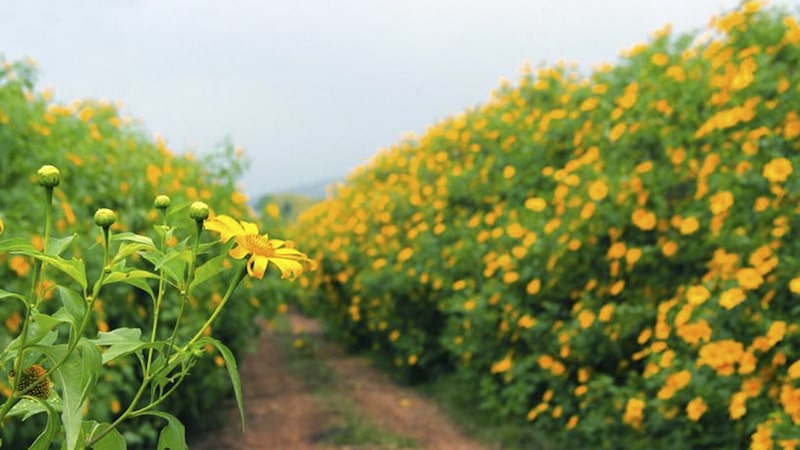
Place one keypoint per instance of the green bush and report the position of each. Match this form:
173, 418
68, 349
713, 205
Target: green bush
609, 258
107, 161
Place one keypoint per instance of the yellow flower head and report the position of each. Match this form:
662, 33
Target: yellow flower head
260, 248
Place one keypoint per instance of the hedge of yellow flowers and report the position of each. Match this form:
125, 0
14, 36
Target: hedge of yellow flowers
611, 258
107, 161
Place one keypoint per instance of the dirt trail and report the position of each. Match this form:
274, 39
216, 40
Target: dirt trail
283, 411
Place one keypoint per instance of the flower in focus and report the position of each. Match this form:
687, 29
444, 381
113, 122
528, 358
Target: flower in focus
260, 248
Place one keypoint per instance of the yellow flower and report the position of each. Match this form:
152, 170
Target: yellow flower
721, 202
696, 408
777, 170
634, 412
697, 295
644, 219
731, 298
749, 278
504, 365
260, 248
2, 226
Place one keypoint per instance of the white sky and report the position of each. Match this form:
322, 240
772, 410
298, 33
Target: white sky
313, 88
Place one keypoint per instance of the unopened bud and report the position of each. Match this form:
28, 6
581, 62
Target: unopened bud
198, 211
162, 202
49, 176
104, 217
2, 226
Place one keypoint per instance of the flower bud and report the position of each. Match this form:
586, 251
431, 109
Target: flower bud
162, 202
2, 226
104, 217
198, 211
49, 176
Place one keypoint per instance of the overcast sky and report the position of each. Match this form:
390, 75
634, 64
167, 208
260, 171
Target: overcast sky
313, 88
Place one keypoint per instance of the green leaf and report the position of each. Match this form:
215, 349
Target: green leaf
173, 436
55, 246
50, 431
111, 441
74, 268
209, 270
129, 248
233, 371
174, 271
117, 277
133, 237
75, 381
74, 304
16, 245
28, 407
6, 294
120, 342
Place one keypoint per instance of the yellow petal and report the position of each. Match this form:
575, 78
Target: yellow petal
249, 228
257, 266
238, 252
226, 226
289, 268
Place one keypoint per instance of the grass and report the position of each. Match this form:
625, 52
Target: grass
349, 426
449, 393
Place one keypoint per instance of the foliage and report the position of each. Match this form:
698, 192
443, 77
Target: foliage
609, 257
106, 161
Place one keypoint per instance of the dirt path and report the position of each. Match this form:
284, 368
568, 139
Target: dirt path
285, 410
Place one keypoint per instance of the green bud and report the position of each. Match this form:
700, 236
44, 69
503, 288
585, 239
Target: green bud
104, 217
198, 211
162, 202
49, 176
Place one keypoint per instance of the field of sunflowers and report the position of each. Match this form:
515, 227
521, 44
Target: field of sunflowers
609, 257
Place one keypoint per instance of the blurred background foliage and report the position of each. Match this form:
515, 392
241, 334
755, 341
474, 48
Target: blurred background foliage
107, 161
610, 258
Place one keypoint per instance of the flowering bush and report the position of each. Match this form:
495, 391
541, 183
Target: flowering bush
610, 257
59, 363
106, 161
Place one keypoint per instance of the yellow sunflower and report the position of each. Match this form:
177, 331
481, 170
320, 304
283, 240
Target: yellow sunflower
261, 249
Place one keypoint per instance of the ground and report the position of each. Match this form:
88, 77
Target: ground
303, 392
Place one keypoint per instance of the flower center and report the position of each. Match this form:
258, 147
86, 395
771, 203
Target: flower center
258, 245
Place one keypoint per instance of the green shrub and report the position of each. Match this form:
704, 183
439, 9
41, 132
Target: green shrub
610, 257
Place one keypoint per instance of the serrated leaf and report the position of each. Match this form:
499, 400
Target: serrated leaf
233, 371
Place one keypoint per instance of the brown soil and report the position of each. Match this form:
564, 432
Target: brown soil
283, 411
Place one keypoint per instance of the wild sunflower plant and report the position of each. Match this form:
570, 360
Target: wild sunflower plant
54, 363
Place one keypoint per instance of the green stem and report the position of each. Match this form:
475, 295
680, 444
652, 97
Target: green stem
234, 282
188, 291
36, 293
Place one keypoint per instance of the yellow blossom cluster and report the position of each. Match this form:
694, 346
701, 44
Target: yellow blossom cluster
610, 251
